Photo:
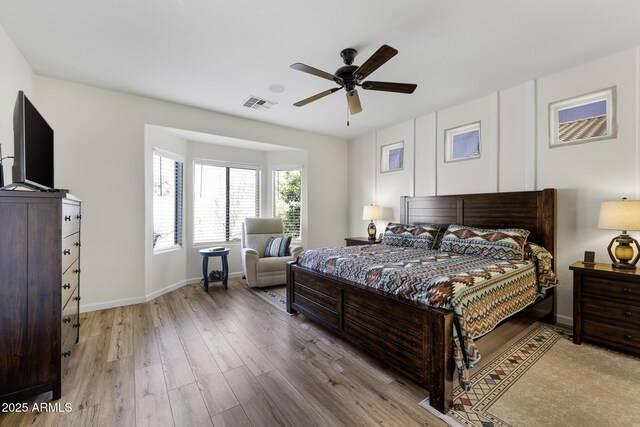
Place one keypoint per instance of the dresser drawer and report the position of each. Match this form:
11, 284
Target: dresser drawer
70, 250
70, 281
616, 289
619, 337
627, 314
70, 320
70, 218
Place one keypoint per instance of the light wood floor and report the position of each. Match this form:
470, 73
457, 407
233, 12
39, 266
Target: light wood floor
223, 359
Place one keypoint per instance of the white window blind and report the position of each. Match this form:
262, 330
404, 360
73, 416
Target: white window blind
224, 197
287, 200
167, 202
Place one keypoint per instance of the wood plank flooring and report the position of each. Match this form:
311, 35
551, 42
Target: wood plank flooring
226, 358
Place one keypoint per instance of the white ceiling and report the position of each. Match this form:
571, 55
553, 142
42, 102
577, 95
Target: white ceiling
215, 54
208, 138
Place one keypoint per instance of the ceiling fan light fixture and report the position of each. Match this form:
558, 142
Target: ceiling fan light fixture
349, 76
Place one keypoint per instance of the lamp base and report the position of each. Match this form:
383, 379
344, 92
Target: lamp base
621, 256
371, 231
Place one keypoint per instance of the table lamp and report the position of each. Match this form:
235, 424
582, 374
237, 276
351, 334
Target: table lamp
621, 215
371, 212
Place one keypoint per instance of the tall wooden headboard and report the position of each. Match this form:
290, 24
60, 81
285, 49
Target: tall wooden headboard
532, 210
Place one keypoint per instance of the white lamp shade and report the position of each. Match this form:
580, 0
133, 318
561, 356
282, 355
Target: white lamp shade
371, 212
621, 215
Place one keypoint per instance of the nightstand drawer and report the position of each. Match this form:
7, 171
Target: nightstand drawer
628, 314
618, 290
622, 338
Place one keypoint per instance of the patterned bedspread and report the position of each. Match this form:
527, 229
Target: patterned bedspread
480, 291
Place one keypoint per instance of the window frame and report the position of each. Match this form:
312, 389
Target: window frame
285, 168
227, 165
178, 240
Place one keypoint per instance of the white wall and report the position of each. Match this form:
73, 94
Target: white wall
100, 156
515, 156
15, 75
164, 269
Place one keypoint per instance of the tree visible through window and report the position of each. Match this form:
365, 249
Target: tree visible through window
167, 202
287, 200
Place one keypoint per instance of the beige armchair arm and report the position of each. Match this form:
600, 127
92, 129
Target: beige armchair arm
250, 259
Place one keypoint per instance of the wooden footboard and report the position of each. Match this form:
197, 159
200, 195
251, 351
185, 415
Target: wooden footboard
412, 339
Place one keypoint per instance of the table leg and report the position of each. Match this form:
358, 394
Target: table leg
205, 272
225, 270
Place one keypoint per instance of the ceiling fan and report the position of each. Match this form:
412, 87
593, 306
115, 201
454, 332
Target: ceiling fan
351, 76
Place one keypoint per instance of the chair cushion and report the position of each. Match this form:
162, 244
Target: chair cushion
278, 247
263, 226
273, 265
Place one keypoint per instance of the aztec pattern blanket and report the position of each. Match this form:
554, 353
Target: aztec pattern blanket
480, 291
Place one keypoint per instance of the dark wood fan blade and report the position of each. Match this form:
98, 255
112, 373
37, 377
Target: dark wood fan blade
390, 87
381, 56
354, 102
316, 97
308, 69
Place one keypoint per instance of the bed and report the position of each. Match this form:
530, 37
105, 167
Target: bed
413, 338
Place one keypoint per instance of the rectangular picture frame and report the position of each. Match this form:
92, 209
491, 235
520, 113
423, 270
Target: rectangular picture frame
585, 118
462, 143
392, 157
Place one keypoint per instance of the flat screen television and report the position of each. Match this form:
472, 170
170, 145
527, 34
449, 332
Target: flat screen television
33, 146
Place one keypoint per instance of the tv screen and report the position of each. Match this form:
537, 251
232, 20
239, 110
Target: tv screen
33, 146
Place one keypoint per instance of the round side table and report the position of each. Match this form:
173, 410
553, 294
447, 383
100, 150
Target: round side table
222, 253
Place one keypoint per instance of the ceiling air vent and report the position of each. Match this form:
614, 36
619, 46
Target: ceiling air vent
256, 103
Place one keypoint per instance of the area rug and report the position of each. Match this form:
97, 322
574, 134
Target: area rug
544, 379
274, 295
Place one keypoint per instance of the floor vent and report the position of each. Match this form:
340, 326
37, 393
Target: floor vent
256, 103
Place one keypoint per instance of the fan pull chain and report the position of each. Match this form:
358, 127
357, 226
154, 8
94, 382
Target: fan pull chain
347, 114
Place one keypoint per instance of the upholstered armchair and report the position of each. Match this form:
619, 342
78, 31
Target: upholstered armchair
260, 270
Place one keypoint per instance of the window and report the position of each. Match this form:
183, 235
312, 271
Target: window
167, 201
224, 196
286, 200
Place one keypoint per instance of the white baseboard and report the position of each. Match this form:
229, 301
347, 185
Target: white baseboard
153, 295
564, 320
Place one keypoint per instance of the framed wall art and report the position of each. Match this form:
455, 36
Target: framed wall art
584, 118
462, 143
392, 157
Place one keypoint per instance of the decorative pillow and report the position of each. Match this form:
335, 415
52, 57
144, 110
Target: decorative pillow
278, 246
415, 236
504, 243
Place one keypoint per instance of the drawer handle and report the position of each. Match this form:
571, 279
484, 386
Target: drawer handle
628, 337
66, 252
78, 217
66, 320
628, 314
76, 244
76, 325
76, 298
66, 354
627, 290
76, 271
67, 217
66, 286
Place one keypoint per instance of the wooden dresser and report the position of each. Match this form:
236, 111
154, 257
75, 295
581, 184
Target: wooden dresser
606, 306
39, 290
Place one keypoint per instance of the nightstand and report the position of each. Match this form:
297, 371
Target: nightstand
606, 306
358, 241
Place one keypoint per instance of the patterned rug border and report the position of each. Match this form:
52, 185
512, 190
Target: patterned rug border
495, 378
275, 299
